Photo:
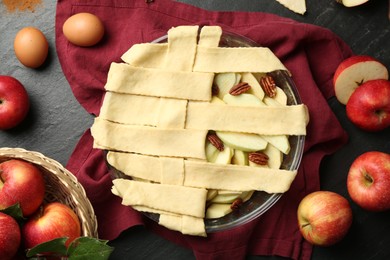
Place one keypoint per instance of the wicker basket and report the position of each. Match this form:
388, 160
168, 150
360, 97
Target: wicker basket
61, 186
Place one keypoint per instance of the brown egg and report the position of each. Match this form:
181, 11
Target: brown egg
31, 47
83, 29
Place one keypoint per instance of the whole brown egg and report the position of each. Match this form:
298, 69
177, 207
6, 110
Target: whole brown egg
83, 29
31, 47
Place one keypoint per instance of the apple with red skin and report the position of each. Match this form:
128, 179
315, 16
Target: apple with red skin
353, 72
21, 182
324, 218
369, 106
14, 102
9, 237
368, 181
54, 220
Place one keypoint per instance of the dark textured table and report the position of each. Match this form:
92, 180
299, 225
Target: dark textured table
56, 120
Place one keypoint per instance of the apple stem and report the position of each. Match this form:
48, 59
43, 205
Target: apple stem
1, 179
368, 177
360, 83
305, 225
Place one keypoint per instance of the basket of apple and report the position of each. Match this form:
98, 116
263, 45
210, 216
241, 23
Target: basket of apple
44, 209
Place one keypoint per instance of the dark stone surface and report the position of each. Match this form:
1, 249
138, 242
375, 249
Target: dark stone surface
57, 121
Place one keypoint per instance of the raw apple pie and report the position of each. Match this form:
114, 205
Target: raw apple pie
196, 127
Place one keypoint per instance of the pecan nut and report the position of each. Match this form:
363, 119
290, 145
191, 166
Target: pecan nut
240, 88
236, 204
267, 83
214, 140
258, 158
214, 90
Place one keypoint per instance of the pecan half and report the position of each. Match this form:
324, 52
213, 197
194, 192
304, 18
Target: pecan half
214, 140
258, 158
236, 204
240, 88
267, 83
214, 90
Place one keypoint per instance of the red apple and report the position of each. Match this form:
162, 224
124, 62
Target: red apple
14, 102
21, 182
368, 181
324, 217
54, 220
353, 72
369, 106
9, 237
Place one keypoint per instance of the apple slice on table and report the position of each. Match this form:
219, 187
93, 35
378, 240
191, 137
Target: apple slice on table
351, 3
217, 210
353, 72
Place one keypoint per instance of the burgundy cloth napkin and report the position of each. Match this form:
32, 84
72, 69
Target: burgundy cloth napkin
311, 53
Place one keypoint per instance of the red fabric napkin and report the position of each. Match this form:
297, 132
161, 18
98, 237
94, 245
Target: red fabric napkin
311, 53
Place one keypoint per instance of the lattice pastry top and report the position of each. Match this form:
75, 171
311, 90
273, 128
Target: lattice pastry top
159, 111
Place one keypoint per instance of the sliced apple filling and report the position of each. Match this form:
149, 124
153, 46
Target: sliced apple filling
187, 121
242, 148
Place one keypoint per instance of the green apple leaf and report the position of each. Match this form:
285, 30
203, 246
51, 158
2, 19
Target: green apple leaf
52, 247
89, 248
80, 248
14, 211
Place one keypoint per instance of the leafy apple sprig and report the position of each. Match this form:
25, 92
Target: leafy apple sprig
80, 248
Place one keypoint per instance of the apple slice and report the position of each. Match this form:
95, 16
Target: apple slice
240, 158
217, 210
225, 197
351, 3
216, 100
279, 141
211, 152
224, 81
243, 141
246, 195
255, 89
275, 156
238, 78
225, 156
353, 72
211, 194
243, 100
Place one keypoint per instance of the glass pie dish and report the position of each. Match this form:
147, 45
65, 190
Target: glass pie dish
259, 202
